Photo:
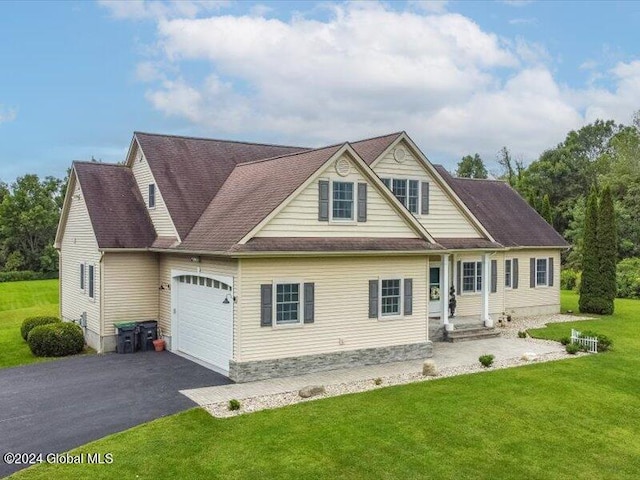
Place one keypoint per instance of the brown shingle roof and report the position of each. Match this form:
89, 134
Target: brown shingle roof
503, 212
372, 148
190, 171
117, 211
252, 191
467, 243
329, 244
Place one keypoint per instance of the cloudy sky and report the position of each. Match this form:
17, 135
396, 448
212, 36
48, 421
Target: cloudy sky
77, 78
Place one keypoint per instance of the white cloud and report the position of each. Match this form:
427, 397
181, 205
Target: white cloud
7, 114
369, 70
154, 9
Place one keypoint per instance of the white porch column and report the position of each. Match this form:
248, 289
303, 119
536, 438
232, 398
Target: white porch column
486, 288
444, 292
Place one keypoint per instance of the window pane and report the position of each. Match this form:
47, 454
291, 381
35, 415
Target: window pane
287, 303
478, 276
400, 190
414, 188
390, 297
343, 200
468, 276
507, 273
541, 271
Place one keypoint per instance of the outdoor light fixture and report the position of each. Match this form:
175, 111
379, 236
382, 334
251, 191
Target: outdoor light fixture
226, 299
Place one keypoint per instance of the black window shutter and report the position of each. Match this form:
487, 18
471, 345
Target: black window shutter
323, 200
309, 300
266, 305
532, 273
408, 296
458, 277
373, 298
362, 202
494, 276
514, 276
424, 209
550, 271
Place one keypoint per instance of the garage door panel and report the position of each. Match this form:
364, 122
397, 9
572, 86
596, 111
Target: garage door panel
205, 323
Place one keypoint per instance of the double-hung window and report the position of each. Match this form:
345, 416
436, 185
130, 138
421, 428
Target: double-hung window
406, 191
390, 297
82, 277
342, 208
91, 281
508, 273
471, 277
413, 198
287, 303
541, 272
400, 190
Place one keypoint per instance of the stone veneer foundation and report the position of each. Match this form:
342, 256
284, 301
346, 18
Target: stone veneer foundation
290, 366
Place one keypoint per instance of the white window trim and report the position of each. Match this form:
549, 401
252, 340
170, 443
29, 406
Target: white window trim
93, 266
155, 197
546, 261
475, 281
400, 314
343, 221
407, 178
83, 283
510, 286
274, 296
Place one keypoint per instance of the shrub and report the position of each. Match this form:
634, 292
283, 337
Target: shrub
628, 278
56, 340
486, 360
565, 340
568, 279
522, 334
377, 381
604, 342
573, 348
30, 323
234, 404
22, 275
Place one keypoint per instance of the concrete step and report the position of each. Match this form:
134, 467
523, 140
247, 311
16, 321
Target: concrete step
471, 333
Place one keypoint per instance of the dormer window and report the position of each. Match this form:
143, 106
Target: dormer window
152, 195
342, 201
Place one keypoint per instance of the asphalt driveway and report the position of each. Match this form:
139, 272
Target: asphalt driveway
55, 406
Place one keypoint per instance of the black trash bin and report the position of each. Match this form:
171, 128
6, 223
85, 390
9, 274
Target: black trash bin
148, 333
127, 341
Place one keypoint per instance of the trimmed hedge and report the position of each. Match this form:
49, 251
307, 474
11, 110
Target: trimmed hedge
22, 275
56, 340
30, 323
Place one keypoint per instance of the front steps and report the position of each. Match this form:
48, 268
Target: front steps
466, 333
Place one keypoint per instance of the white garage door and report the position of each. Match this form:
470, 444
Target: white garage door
205, 319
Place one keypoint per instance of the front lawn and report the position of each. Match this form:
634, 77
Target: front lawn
578, 418
19, 300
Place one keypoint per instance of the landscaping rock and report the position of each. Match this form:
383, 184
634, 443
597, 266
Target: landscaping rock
311, 391
429, 368
529, 357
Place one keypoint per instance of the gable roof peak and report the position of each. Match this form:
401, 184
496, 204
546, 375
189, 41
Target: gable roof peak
219, 140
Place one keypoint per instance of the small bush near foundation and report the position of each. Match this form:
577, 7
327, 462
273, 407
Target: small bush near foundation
234, 404
377, 381
604, 342
56, 340
486, 360
522, 334
565, 340
30, 323
573, 348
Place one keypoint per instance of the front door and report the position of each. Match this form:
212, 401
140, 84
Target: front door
435, 306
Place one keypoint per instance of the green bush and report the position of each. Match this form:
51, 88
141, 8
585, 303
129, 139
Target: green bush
22, 275
56, 340
522, 334
377, 381
604, 343
30, 323
486, 360
573, 348
628, 278
568, 279
234, 404
565, 340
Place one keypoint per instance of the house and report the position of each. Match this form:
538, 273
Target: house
266, 260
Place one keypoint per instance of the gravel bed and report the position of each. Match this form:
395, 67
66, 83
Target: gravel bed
255, 404
517, 324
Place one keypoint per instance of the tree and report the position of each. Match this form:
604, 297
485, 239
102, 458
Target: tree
505, 162
607, 250
590, 293
471, 167
546, 211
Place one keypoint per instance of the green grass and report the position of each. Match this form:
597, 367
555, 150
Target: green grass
577, 418
19, 300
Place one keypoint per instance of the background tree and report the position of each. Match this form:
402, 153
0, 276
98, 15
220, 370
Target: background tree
506, 164
607, 250
590, 292
471, 167
545, 211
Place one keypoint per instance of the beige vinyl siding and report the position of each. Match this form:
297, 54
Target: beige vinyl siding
524, 296
470, 304
159, 214
78, 246
300, 217
130, 288
341, 306
444, 219
167, 263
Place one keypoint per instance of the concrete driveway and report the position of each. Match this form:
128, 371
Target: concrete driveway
56, 406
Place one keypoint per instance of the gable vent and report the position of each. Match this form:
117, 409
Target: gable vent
343, 167
399, 154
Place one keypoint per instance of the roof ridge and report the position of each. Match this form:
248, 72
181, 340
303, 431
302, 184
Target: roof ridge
379, 136
189, 137
104, 164
293, 154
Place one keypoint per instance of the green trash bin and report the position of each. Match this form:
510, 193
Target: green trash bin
127, 340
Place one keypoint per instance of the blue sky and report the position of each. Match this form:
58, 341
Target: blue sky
77, 78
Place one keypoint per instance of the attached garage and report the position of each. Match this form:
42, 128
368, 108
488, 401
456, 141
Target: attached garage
203, 314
